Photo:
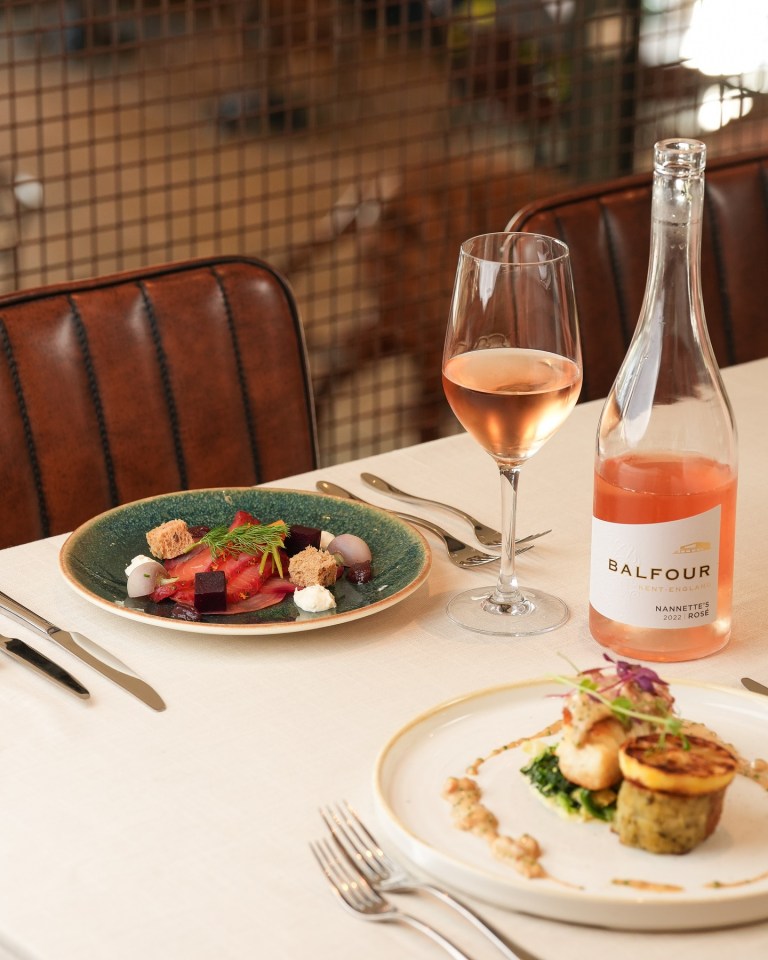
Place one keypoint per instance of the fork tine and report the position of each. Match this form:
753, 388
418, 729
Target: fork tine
477, 559
325, 862
372, 847
353, 890
357, 896
532, 536
355, 847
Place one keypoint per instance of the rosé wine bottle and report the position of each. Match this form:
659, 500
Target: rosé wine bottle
664, 512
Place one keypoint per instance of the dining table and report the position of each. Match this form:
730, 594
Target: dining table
128, 833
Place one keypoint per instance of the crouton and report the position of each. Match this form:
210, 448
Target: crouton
169, 539
312, 566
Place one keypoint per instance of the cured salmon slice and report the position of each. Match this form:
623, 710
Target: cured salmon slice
245, 575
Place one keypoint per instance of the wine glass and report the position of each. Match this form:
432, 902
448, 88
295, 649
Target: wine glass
511, 374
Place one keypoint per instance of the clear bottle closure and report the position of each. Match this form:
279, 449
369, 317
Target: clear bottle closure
678, 183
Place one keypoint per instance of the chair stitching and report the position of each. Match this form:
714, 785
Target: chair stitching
98, 406
618, 280
18, 389
165, 380
240, 375
560, 231
722, 284
763, 171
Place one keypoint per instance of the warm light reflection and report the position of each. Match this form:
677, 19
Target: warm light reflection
727, 37
719, 106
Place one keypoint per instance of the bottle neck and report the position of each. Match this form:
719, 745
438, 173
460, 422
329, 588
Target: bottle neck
673, 294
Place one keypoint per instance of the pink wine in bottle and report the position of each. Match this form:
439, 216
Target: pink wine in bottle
664, 510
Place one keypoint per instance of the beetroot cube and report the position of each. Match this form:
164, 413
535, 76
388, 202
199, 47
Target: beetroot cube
299, 538
210, 591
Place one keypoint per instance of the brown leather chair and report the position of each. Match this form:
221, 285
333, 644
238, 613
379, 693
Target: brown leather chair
607, 227
183, 376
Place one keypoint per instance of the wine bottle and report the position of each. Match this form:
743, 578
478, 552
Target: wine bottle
664, 511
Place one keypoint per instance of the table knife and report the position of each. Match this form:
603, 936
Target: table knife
88, 651
23, 653
754, 686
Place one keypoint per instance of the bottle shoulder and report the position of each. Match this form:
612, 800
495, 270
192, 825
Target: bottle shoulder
636, 417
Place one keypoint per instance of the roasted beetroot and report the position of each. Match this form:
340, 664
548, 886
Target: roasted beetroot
299, 538
210, 591
360, 572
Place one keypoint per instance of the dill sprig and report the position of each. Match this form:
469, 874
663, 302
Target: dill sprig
251, 538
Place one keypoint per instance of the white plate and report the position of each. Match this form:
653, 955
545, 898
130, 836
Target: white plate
414, 765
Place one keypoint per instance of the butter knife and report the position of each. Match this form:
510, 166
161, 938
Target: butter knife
22, 652
754, 686
88, 651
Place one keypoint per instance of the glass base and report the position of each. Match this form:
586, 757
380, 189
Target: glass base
536, 612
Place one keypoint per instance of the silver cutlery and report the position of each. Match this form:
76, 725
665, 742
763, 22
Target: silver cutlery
22, 652
485, 534
460, 553
754, 686
358, 896
88, 651
383, 873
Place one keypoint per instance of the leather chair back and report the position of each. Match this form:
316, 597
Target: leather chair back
607, 227
184, 376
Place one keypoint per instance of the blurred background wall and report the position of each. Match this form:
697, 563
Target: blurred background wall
352, 143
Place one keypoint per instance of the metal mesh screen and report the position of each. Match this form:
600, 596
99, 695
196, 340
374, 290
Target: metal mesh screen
353, 144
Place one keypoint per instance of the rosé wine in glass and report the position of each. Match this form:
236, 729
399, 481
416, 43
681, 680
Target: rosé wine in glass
511, 374
511, 400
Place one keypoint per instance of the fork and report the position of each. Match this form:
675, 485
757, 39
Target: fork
382, 873
358, 896
460, 553
485, 534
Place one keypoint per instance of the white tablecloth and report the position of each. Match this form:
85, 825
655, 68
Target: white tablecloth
127, 834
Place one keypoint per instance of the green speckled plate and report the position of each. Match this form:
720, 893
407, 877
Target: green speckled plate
94, 557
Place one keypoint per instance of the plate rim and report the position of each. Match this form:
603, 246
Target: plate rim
731, 906
242, 629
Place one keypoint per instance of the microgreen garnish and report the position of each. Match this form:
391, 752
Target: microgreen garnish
598, 685
644, 677
251, 538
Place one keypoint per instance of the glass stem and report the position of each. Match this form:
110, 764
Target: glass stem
507, 590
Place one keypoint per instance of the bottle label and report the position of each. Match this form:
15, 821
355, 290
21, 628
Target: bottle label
656, 575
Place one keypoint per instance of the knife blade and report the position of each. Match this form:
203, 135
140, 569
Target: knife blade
754, 686
22, 652
86, 650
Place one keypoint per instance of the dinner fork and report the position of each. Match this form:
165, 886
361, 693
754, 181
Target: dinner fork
460, 553
485, 534
358, 896
383, 873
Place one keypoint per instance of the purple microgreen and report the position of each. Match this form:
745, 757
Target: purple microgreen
645, 678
